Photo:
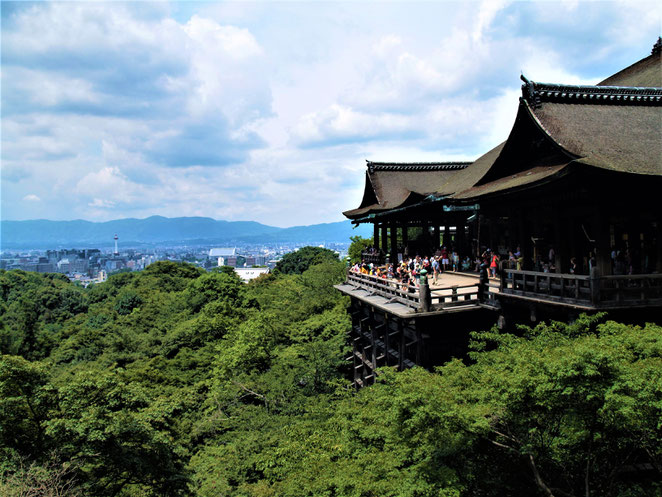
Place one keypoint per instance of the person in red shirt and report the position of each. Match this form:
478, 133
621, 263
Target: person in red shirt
494, 264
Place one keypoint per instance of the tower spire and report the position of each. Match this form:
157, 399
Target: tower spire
117, 252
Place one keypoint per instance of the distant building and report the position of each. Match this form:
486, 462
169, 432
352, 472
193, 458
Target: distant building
63, 266
223, 252
250, 273
226, 256
260, 260
227, 261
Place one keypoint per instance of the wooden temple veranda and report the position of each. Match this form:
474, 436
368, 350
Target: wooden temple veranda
578, 179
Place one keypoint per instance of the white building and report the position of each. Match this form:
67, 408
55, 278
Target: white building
250, 273
224, 255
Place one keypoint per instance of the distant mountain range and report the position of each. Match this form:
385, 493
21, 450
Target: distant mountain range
158, 230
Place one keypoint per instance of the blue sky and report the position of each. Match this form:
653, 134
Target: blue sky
267, 111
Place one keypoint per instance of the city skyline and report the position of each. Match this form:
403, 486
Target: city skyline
267, 111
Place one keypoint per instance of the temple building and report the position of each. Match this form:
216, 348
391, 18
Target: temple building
577, 183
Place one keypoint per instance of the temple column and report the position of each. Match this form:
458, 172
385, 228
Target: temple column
437, 234
375, 236
384, 238
394, 243
405, 238
460, 240
602, 248
558, 245
658, 241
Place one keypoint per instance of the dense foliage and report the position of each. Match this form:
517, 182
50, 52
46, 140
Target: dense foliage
173, 381
357, 247
299, 261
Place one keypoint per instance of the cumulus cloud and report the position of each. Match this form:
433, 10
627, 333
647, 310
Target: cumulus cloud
341, 124
267, 111
32, 198
195, 87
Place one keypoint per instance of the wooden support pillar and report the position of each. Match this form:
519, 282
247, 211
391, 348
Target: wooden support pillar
558, 245
478, 251
375, 236
460, 245
602, 248
387, 332
384, 238
401, 346
419, 347
436, 241
520, 229
405, 238
394, 243
355, 351
373, 340
595, 286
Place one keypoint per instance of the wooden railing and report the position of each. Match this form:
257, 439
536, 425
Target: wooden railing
571, 288
441, 298
631, 290
384, 287
589, 291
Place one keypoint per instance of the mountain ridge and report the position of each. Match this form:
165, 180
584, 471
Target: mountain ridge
44, 233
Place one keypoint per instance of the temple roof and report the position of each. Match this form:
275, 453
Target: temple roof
610, 127
615, 125
604, 126
394, 184
645, 72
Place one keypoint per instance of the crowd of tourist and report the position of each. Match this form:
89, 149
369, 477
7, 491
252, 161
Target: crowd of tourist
406, 273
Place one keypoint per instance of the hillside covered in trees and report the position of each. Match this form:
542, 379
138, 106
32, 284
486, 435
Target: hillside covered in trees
177, 382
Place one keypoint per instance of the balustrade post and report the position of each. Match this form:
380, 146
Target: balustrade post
424, 293
595, 285
482, 282
502, 275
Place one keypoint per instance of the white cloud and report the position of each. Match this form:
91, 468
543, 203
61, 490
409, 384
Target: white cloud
108, 186
269, 110
342, 124
32, 198
101, 203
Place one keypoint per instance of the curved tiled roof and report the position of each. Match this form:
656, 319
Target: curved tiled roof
645, 72
608, 127
393, 184
615, 125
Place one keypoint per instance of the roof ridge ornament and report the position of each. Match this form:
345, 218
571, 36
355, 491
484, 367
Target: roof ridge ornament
529, 92
536, 93
416, 166
657, 48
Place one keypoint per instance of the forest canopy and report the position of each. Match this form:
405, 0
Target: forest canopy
175, 381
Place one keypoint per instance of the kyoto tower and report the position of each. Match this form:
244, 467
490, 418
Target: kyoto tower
117, 252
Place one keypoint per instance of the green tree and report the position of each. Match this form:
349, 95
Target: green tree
122, 433
297, 262
27, 401
127, 301
358, 245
